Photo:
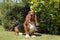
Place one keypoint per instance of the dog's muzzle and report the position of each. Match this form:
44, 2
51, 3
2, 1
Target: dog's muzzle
31, 16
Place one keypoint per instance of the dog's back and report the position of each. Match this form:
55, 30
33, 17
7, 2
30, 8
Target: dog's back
20, 28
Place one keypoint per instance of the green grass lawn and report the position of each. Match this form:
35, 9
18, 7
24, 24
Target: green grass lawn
6, 35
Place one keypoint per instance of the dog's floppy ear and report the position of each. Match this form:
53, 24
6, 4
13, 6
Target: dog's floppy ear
36, 23
27, 19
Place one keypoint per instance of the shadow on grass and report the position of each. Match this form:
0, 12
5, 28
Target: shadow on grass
38, 34
45, 31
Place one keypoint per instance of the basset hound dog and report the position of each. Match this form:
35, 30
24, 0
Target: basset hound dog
29, 25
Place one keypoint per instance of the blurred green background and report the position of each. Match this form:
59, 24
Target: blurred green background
47, 11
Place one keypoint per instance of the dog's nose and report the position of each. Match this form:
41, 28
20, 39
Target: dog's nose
31, 15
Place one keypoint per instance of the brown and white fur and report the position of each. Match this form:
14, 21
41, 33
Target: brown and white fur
29, 25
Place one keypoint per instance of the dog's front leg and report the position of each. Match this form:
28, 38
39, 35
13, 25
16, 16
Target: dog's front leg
26, 27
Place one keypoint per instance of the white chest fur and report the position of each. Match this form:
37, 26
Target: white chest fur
32, 27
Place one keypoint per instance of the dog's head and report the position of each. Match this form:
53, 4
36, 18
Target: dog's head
31, 14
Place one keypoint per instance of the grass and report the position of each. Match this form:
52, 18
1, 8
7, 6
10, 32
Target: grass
7, 35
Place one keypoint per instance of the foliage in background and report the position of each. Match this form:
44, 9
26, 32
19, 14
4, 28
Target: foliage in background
48, 13
13, 14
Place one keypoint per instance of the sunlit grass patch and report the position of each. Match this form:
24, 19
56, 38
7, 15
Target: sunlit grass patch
7, 35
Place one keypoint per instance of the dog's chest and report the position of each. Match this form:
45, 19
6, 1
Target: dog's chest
32, 27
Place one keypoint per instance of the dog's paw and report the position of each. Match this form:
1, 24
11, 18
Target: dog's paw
16, 34
33, 36
27, 36
20, 33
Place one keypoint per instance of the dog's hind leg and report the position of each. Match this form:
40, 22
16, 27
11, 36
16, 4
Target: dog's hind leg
16, 31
